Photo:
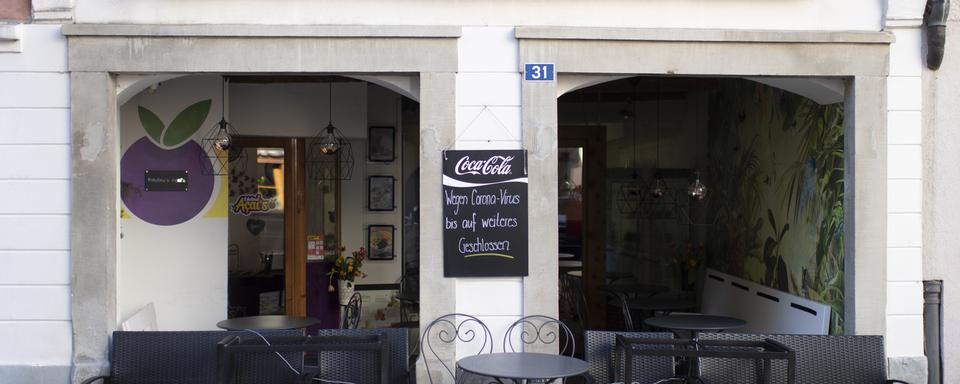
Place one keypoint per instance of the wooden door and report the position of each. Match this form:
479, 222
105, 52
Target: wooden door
590, 142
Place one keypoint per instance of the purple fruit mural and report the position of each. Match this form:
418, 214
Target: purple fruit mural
176, 151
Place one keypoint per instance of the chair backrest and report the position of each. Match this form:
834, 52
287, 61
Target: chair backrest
335, 365
264, 367
351, 312
607, 367
444, 333
820, 359
572, 300
539, 330
139, 357
144, 319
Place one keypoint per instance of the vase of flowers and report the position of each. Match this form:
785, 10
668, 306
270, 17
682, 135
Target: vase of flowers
346, 270
688, 259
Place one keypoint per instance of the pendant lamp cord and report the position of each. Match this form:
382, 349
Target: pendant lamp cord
636, 100
656, 164
330, 104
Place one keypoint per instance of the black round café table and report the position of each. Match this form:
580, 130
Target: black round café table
267, 322
521, 366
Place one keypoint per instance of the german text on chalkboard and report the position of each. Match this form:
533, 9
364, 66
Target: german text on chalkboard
485, 213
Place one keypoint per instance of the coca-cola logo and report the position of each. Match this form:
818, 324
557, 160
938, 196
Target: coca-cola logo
495, 165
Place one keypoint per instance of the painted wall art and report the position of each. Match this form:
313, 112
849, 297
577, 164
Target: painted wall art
777, 176
166, 147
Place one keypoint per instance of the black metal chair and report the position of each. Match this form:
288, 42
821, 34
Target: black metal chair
337, 365
351, 312
819, 359
539, 329
448, 330
174, 357
606, 366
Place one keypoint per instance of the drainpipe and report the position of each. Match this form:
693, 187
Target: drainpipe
935, 16
933, 329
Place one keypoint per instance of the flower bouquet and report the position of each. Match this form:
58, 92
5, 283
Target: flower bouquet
688, 260
346, 270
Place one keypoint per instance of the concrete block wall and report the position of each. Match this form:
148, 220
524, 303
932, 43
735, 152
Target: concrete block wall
488, 117
905, 197
35, 208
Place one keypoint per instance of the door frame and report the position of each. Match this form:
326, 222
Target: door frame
294, 218
593, 139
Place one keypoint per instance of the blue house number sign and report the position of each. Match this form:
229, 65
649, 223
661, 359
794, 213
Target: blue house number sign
538, 72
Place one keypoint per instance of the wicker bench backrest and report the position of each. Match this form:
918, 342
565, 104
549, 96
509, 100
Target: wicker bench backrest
188, 357
820, 359
600, 347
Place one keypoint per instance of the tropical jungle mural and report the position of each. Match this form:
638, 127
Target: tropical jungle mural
777, 178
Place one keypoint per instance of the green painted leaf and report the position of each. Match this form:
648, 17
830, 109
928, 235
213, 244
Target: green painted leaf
186, 123
151, 123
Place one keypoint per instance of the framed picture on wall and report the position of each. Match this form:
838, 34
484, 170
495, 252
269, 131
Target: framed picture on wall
382, 144
380, 242
380, 192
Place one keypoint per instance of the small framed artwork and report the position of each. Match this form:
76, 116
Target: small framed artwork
380, 242
382, 144
380, 193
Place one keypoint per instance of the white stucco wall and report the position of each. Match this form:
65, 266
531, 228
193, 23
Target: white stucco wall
488, 117
941, 140
35, 203
730, 14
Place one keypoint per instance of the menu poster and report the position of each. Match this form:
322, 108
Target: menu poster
485, 213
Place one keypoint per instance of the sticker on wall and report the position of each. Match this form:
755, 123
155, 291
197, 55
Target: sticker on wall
255, 226
166, 147
253, 203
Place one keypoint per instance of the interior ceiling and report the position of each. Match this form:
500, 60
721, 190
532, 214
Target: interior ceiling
642, 88
271, 79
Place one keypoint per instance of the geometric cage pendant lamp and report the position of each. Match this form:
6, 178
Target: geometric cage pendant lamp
219, 151
330, 154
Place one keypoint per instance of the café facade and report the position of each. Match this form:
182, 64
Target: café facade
474, 145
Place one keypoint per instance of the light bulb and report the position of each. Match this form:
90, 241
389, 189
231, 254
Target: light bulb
658, 189
697, 190
222, 140
328, 142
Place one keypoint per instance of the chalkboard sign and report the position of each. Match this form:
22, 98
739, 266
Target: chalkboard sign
165, 181
485, 213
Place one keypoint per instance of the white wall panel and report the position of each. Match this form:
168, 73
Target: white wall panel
904, 162
904, 264
41, 232
904, 230
903, 127
904, 196
35, 162
34, 267
490, 124
904, 335
35, 302
491, 89
35, 342
488, 49
34, 196
34, 126
904, 93
906, 52
905, 298
490, 296
44, 50
34, 90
